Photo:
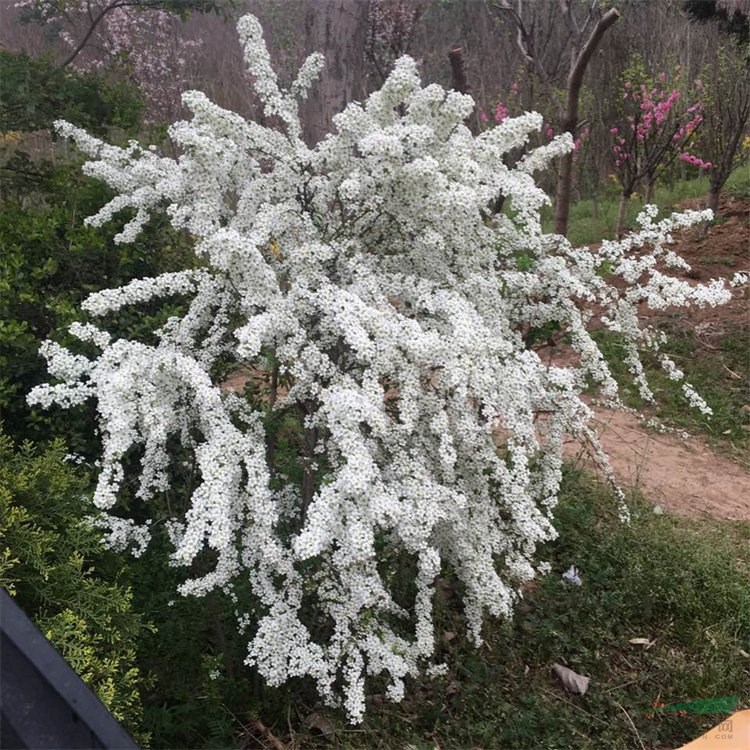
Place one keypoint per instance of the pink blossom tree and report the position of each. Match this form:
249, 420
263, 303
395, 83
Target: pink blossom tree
654, 130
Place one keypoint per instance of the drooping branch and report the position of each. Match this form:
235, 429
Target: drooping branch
95, 21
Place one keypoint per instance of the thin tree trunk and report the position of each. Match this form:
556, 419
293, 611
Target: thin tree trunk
575, 81
220, 636
650, 188
337, 29
712, 200
273, 437
622, 214
309, 473
460, 83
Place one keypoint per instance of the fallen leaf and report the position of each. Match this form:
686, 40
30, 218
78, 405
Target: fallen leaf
642, 642
453, 688
744, 653
323, 725
572, 681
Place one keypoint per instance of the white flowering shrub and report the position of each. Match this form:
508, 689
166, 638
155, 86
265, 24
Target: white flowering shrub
390, 314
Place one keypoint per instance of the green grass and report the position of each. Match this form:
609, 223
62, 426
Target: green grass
721, 375
584, 228
682, 583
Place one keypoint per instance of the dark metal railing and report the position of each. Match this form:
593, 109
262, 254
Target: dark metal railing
43, 702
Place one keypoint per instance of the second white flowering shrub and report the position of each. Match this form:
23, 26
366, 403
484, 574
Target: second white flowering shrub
384, 311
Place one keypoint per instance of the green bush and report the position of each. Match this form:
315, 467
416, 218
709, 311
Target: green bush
49, 263
35, 93
52, 562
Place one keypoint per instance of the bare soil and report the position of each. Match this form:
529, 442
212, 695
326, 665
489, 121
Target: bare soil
681, 476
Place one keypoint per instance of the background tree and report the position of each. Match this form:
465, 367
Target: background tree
731, 16
79, 20
340, 28
654, 130
137, 37
391, 29
725, 96
585, 32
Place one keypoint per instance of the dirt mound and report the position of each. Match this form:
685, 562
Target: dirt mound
720, 252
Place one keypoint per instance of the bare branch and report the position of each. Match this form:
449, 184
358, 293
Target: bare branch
524, 37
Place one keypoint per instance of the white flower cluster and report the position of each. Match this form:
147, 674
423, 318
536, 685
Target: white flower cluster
397, 309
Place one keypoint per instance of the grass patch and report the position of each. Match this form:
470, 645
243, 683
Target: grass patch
721, 376
738, 183
587, 226
682, 583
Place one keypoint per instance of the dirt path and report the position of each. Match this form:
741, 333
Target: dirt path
682, 476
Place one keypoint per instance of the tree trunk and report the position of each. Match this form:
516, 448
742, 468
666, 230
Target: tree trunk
338, 29
650, 188
575, 81
712, 200
622, 214
460, 83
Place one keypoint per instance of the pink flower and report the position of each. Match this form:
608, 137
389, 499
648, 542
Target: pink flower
501, 113
483, 116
